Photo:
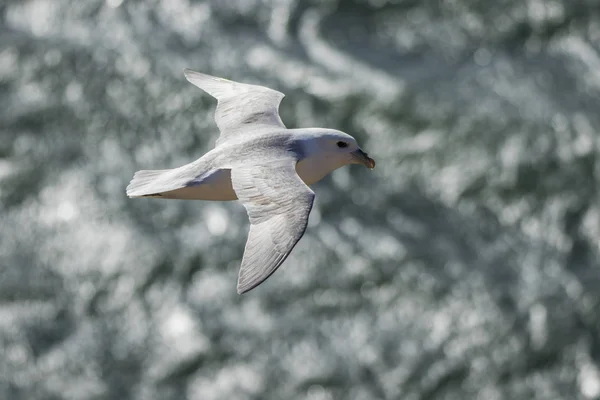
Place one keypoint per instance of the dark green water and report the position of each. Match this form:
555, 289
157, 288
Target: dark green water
465, 266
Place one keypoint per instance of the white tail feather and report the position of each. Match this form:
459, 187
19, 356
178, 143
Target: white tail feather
146, 183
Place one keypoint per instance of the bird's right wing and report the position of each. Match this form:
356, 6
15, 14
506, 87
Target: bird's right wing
240, 107
278, 204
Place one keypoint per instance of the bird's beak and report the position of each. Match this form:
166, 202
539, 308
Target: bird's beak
360, 157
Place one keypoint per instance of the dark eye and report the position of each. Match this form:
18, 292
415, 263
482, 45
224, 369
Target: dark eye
341, 145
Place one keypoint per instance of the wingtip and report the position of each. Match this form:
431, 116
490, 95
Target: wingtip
242, 290
188, 73
244, 286
192, 75
195, 75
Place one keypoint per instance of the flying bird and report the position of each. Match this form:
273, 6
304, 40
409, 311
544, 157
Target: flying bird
259, 161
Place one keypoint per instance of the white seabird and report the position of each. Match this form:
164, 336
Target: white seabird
260, 162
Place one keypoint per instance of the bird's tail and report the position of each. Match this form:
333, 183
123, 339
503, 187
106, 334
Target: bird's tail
147, 183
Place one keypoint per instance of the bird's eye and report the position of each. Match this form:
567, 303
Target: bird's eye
341, 145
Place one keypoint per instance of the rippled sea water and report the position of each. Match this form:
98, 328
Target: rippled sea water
465, 266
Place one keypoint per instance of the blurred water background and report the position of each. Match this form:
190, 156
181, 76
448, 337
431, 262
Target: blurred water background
465, 266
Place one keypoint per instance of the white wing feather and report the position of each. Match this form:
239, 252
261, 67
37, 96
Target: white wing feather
240, 106
278, 204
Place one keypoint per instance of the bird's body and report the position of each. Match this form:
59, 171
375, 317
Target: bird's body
260, 162
212, 172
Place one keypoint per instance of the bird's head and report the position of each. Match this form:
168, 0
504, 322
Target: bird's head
339, 147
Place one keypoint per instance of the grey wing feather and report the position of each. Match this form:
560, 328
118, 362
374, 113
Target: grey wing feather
278, 205
240, 106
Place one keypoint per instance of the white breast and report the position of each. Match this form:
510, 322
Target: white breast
313, 169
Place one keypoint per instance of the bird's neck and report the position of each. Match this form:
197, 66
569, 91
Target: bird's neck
312, 169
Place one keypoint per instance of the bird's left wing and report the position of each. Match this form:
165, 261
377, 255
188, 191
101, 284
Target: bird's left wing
240, 107
278, 204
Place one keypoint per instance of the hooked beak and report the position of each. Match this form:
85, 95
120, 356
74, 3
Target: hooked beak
360, 157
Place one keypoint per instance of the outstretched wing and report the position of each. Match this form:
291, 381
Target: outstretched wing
278, 204
240, 106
